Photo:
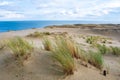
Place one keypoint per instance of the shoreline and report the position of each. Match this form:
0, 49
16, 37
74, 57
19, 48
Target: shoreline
38, 66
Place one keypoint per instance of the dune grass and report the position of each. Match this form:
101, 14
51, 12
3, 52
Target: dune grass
63, 56
37, 34
92, 39
102, 48
47, 44
73, 48
115, 51
95, 59
20, 48
2, 45
65, 50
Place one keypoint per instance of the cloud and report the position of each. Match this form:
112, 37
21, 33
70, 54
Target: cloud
10, 14
78, 8
59, 9
4, 3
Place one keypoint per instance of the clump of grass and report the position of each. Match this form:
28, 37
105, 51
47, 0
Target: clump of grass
63, 56
95, 59
73, 48
20, 48
47, 44
102, 48
92, 39
38, 34
70, 44
115, 50
2, 45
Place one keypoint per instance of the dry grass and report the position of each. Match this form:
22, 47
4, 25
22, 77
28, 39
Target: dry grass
65, 50
47, 43
92, 39
2, 45
37, 34
63, 56
115, 50
102, 48
95, 59
20, 48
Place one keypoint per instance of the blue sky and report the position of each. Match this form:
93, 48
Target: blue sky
95, 10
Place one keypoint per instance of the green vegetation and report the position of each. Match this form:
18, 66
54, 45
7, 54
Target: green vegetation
38, 34
92, 39
47, 44
115, 50
20, 48
95, 58
65, 50
62, 55
102, 48
2, 45
73, 48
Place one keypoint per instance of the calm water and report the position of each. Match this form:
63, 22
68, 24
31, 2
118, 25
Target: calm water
21, 25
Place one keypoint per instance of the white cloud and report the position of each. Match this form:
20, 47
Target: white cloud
59, 9
10, 14
4, 3
78, 8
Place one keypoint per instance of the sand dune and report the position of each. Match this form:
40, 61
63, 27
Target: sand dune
40, 66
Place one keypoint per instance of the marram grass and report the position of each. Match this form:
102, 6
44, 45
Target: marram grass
102, 48
95, 59
20, 48
47, 43
64, 51
2, 45
115, 50
63, 56
37, 34
70, 45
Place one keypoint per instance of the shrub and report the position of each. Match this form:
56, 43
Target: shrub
95, 58
20, 48
115, 51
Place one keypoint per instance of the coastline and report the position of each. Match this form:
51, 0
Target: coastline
37, 66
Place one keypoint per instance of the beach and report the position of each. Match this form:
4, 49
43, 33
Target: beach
40, 66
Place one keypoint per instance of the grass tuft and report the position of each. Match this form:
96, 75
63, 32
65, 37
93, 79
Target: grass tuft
95, 59
2, 45
115, 50
102, 48
20, 48
37, 34
47, 44
63, 56
92, 39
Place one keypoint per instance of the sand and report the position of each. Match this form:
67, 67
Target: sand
40, 66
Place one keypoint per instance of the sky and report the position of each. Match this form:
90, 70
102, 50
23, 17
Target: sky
94, 10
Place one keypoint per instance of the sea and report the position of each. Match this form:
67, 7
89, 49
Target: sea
22, 25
